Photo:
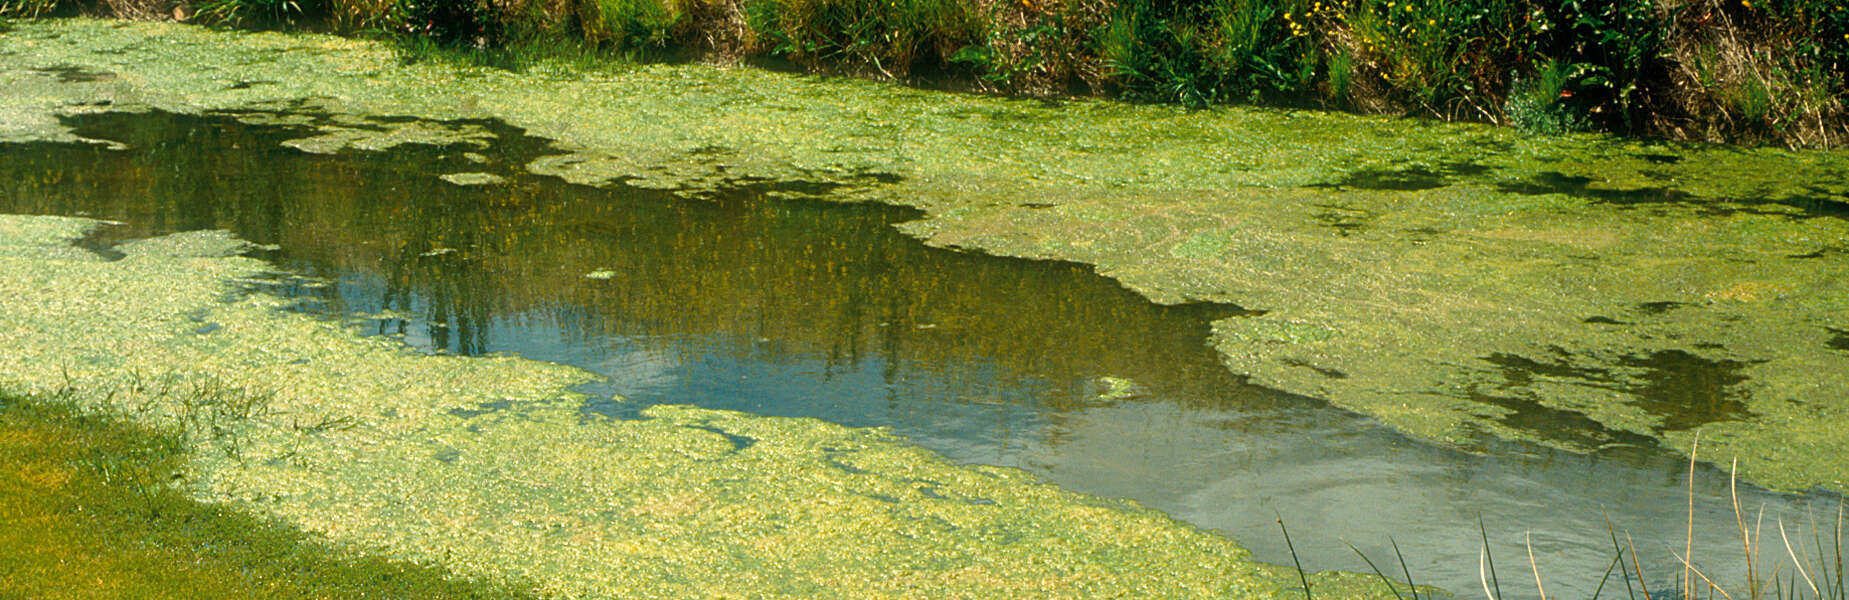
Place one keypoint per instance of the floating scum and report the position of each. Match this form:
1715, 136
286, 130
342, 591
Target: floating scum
1451, 280
488, 466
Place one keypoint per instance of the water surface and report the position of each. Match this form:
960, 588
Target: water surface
751, 300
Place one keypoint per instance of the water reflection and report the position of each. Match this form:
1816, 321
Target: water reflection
805, 308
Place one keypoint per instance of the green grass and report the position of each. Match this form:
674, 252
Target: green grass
89, 509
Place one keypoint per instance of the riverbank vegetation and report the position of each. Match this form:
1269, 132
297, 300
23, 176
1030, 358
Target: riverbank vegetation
88, 509
1765, 71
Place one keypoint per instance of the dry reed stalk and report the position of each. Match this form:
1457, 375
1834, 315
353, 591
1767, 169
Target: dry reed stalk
1688, 582
1797, 564
1529, 539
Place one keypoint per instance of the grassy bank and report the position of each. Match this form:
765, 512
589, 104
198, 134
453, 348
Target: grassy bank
88, 510
1766, 71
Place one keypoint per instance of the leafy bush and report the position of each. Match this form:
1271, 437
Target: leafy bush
1817, 31
1536, 102
1615, 48
450, 22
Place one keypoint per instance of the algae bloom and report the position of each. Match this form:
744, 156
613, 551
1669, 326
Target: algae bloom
489, 467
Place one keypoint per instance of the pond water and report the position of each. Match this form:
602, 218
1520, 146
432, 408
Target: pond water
757, 300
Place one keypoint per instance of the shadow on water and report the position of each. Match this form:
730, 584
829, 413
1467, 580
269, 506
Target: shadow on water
1406, 179
1820, 203
743, 300
1683, 390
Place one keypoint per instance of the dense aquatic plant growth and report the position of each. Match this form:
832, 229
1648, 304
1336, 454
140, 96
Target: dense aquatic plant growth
1700, 69
90, 508
489, 468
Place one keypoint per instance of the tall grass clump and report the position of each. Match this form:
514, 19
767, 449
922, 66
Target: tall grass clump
451, 22
889, 38
249, 13
1037, 47
1614, 51
1762, 71
25, 8
1443, 59
1212, 52
639, 27
1815, 570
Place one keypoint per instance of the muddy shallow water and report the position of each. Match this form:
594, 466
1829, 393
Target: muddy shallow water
747, 300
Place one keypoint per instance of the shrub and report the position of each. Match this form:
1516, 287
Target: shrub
1037, 47
1615, 49
448, 22
1536, 102
1447, 59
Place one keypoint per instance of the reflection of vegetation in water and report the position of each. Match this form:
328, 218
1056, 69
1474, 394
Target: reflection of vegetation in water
361, 441
822, 280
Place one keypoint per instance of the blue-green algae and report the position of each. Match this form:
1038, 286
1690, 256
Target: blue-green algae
1403, 269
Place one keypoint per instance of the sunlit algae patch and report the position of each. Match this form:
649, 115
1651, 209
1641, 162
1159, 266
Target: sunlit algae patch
392, 451
1451, 280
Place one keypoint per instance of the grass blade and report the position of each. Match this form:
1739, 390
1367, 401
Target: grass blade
1483, 574
1839, 552
1608, 569
1414, 585
1377, 573
1487, 557
1630, 593
1739, 519
1293, 556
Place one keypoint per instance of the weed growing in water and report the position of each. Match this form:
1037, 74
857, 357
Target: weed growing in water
1814, 572
1812, 577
